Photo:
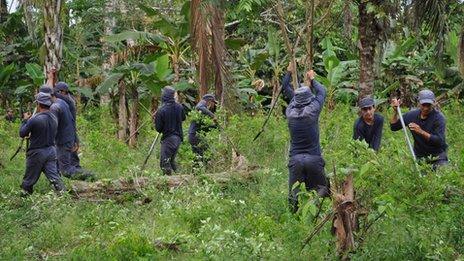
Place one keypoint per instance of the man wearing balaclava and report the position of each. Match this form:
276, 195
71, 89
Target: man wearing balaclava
168, 122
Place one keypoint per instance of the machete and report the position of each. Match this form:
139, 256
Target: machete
269, 114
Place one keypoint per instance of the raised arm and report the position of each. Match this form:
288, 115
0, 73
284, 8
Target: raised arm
287, 88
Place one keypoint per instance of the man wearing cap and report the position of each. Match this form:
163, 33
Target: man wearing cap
62, 92
41, 154
368, 126
168, 122
427, 126
200, 126
65, 139
306, 164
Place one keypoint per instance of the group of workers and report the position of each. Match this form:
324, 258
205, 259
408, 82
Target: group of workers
54, 142
168, 122
306, 165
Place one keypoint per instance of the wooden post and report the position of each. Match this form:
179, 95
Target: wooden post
290, 49
344, 222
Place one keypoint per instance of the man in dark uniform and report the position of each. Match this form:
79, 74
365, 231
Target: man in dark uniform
306, 164
168, 122
41, 154
200, 126
65, 138
427, 126
368, 126
62, 92
9, 117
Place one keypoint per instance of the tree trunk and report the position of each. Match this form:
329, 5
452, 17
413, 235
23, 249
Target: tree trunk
344, 223
461, 52
28, 17
218, 50
53, 37
175, 66
368, 39
290, 50
3, 11
82, 189
347, 22
200, 30
122, 111
110, 24
134, 117
309, 43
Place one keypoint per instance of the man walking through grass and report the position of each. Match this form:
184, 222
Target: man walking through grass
41, 154
168, 121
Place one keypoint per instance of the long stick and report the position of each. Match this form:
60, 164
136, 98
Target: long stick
407, 138
223, 132
406, 133
290, 49
150, 151
269, 114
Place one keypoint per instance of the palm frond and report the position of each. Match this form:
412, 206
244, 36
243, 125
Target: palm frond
432, 13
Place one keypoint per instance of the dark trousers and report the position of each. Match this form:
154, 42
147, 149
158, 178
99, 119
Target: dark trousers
38, 161
437, 161
169, 148
68, 161
307, 169
75, 161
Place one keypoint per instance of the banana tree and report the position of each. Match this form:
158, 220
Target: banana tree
337, 79
133, 82
176, 34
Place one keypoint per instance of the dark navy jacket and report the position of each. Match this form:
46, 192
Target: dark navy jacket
168, 118
287, 87
72, 108
42, 127
372, 134
303, 122
71, 103
66, 128
197, 126
435, 124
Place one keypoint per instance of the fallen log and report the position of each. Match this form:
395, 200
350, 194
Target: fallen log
109, 188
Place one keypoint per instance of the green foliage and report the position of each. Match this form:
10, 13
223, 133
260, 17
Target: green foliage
337, 80
239, 220
133, 35
35, 72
